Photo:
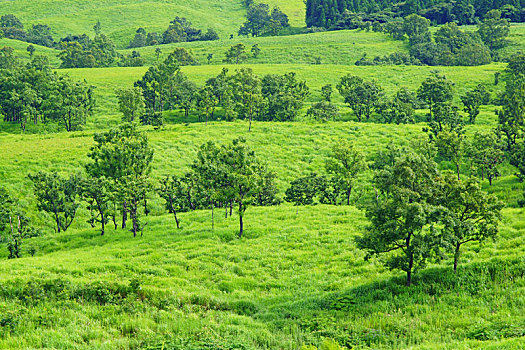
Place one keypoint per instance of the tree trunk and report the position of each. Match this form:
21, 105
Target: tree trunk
124, 214
102, 222
57, 219
457, 170
409, 271
241, 224
456, 256
212, 218
176, 219
231, 207
250, 125
348, 193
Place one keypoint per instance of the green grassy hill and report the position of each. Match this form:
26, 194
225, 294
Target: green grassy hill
296, 278
120, 19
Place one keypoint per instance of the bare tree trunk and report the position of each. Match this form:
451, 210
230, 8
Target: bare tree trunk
124, 214
456, 256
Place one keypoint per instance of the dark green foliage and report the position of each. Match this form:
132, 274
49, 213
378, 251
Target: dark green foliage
485, 153
307, 190
98, 192
470, 215
236, 54
473, 99
255, 50
181, 57
123, 156
260, 21
323, 111
34, 94
363, 97
493, 30
176, 192
131, 103
134, 59
57, 196
397, 58
435, 89
284, 95
83, 52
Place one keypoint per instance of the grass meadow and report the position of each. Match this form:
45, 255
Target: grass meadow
296, 280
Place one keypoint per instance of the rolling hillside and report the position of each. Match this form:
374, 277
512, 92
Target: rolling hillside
296, 280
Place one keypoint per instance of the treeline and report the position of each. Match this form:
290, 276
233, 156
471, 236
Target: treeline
448, 46
333, 13
115, 186
261, 21
33, 93
12, 28
242, 95
179, 30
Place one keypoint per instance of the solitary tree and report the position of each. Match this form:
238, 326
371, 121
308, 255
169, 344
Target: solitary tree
31, 50
493, 30
172, 190
450, 144
485, 153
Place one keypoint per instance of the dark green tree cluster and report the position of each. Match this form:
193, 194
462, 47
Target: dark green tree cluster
221, 176
114, 188
84, 52
396, 59
260, 21
343, 168
419, 214
134, 59
33, 94
511, 128
15, 226
40, 34
179, 30
346, 14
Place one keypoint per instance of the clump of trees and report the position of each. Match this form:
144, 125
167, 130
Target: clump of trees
34, 94
12, 28
84, 52
260, 21
344, 14
179, 30
15, 226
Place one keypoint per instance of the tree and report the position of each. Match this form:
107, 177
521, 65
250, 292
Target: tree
435, 89
284, 96
158, 51
402, 216
493, 30
97, 191
323, 111
362, 96
471, 214
31, 50
485, 153
326, 92
344, 164
181, 57
57, 196
306, 190
473, 99
131, 103
236, 54
209, 58
255, 50
97, 28
173, 191
123, 156
207, 101
450, 144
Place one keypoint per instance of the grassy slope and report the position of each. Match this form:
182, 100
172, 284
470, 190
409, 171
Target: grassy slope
282, 285
120, 19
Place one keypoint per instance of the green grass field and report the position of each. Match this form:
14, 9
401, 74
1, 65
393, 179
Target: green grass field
296, 280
